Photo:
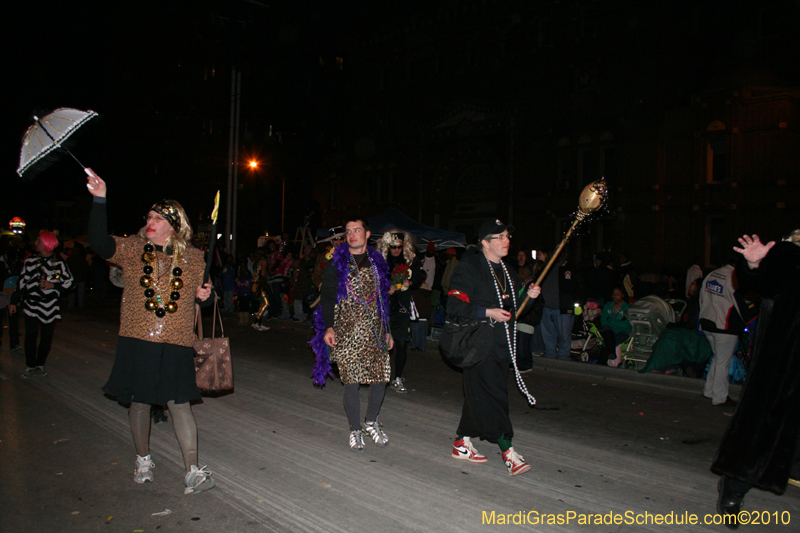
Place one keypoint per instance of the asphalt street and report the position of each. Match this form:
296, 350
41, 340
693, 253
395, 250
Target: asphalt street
603, 442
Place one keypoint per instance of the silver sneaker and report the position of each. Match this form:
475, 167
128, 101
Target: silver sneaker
143, 467
198, 480
374, 430
30, 371
397, 383
357, 441
42, 371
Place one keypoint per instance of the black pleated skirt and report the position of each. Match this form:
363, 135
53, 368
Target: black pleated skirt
152, 372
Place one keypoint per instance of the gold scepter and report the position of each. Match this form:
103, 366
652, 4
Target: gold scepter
212, 239
592, 198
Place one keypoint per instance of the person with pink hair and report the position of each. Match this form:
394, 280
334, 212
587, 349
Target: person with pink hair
43, 279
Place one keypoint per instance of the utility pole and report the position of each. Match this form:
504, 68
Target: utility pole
233, 160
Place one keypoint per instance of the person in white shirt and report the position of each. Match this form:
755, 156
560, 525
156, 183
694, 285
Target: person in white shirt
692, 274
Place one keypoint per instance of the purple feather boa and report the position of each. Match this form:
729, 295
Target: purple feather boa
341, 259
322, 369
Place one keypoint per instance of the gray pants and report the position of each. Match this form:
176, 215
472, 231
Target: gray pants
298, 310
723, 346
76, 297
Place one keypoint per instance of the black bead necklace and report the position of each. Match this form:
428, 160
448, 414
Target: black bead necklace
152, 289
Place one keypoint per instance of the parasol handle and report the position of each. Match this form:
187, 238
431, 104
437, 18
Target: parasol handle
73, 156
549, 264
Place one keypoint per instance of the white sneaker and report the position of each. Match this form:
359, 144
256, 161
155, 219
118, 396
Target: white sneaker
515, 462
30, 371
143, 467
397, 383
357, 441
464, 450
198, 480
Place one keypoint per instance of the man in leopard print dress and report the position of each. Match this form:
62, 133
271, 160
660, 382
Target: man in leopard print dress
353, 323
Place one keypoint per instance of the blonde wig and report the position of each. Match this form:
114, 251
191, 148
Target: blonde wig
177, 240
389, 238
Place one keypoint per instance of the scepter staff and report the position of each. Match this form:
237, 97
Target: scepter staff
212, 239
592, 198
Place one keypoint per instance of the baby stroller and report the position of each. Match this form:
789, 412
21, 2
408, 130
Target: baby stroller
649, 318
587, 340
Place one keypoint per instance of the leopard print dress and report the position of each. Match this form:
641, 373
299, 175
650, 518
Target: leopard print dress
357, 351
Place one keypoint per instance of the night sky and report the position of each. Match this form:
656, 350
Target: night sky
141, 66
147, 67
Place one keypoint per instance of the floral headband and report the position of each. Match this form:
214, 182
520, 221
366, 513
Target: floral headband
394, 238
166, 209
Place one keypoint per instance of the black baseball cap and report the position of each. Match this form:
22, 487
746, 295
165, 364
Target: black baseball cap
493, 227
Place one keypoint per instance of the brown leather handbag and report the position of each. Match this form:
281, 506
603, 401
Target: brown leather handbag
212, 364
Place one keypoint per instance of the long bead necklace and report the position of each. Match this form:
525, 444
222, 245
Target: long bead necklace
494, 274
512, 346
383, 345
43, 268
151, 281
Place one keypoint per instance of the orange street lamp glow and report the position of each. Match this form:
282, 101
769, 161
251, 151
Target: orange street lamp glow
253, 164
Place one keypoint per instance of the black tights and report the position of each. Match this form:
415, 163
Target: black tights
400, 355
352, 403
182, 421
37, 356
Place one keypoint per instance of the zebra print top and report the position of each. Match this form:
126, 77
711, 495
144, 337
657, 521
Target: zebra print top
39, 303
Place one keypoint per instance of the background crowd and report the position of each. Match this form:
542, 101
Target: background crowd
280, 279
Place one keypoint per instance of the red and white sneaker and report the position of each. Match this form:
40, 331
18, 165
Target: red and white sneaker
464, 450
515, 462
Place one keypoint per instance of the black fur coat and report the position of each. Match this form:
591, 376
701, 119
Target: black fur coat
760, 444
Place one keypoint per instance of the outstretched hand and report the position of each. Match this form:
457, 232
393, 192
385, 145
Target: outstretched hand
96, 186
753, 249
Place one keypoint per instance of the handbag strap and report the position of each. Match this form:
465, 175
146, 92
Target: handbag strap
217, 316
198, 322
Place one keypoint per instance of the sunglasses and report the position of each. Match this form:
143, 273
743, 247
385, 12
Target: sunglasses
396, 247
